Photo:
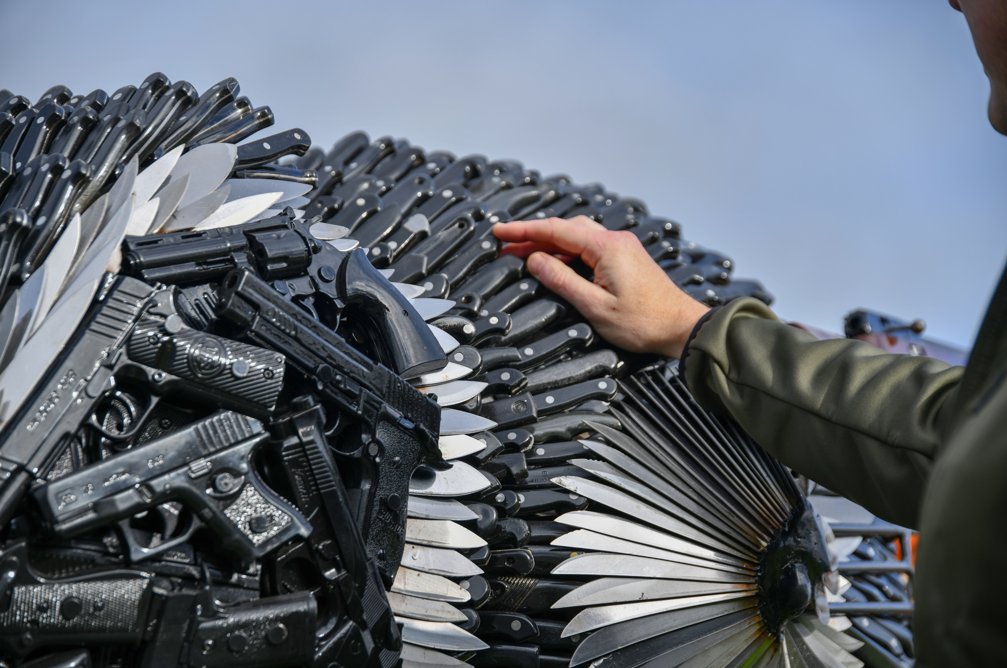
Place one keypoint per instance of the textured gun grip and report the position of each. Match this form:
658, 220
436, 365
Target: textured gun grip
263, 521
237, 375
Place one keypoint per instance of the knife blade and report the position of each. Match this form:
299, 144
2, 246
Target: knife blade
237, 211
447, 563
459, 480
459, 445
441, 534
329, 232
413, 656
445, 340
207, 167
451, 371
459, 422
424, 608
439, 509
248, 187
185, 218
426, 585
439, 635
150, 180
429, 307
170, 195
56, 268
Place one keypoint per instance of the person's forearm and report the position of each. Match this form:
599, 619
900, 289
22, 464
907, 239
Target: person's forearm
862, 422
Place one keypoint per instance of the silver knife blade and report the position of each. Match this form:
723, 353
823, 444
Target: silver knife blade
248, 187
456, 392
413, 655
142, 217
344, 245
90, 223
295, 203
443, 534
638, 533
448, 563
207, 166
237, 211
150, 180
426, 585
7, 314
584, 539
29, 301
449, 373
629, 566
596, 618
57, 268
170, 195
27, 367
424, 609
459, 422
633, 507
328, 231
439, 509
439, 635
187, 217
92, 264
630, 590
446, 341
408, 290
459, 445
431, 307
459, 480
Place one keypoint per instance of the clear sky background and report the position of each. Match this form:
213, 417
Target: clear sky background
838, 151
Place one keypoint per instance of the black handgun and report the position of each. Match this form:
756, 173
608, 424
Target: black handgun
282, 251
132, 334
111, 612
207, 467
361, 629
392, 427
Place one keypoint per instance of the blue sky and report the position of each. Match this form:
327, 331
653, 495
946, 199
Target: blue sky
838, 151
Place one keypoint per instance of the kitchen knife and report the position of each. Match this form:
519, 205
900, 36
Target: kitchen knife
237, 129
527, 407
441, 534
423, 608
538, 353
207, 167
533, 318
213, 99
460, 479
476, 289
439, 509
439, 635
444, 562
426, 585
566, 426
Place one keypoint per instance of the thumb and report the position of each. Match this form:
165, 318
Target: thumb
558, 277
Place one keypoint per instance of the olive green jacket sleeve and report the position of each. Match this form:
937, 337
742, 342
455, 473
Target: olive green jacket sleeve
865, 423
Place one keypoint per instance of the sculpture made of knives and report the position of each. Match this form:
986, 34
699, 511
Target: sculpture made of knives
243, 444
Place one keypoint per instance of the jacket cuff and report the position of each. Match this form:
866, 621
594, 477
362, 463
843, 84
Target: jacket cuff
692, 335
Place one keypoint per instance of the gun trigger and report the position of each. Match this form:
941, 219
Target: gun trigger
101, 382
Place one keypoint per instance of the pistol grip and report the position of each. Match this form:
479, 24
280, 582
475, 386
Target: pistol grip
403, 334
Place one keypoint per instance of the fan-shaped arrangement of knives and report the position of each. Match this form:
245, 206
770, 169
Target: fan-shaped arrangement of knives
263, 404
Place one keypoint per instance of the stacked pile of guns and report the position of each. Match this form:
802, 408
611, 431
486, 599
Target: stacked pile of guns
269, 406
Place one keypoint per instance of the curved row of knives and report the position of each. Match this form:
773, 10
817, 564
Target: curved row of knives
556, 457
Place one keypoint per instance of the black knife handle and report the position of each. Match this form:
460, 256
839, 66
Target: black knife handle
412, 231
466, 356
510, 468
210, 102
476, 289
43, 129
532, 318
443, 199
558, 452
20, 182
370, 156
12, 142
15, 104
515, 438
273, 147
503, 624
505, 380
457, 326
569, 396
403, 333
344, 150
287, 173
96, 99
473, 256
96, 136
566, 426
55, 214
237, 130
6, 125
516, 561
436, 285
429, 253
118, 102
403, 158
239, 108
48, 169
78, 125
109, 154
491, 328
14, 227
592, 365
151, 88
7, 174
513, 296
460, 171
356, 211
548, 557
162, 115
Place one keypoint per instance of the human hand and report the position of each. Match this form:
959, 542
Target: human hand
631, 302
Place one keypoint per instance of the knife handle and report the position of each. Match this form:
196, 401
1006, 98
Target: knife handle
78, 125
48, 170
491, 328
516, 561
209, 103
505, 380
54, 215
346, 149
537, 501
566, 426
460, 171
505, 624
108, 156
43, 128
515, 438
569, 396
592, 365
272, 148
356, 211
7, 174
15, 104
372, 154
286, 173
443, 199
21, 181
473, 256
432, 251
96, 99
94, 138
548, 557
6, 125
161, 115
118, 102
12, 142
477, 288
151, 88
533, 318
14, 227
547, 454
238, 129
513, 296
435, 285
403, 333
58, 94
403, 158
